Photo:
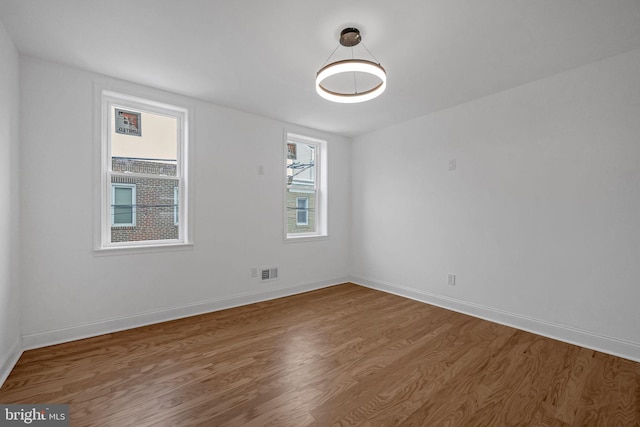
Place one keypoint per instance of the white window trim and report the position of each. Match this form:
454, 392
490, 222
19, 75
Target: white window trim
321, 191
106, 98
306, 212
115, 185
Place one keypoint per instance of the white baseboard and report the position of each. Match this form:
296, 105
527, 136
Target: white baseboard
625, 349
46, 338
9, 360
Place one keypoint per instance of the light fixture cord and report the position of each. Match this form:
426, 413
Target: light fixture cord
334, 51
355, 85
365, 46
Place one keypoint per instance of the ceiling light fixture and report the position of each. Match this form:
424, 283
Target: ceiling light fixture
350, 37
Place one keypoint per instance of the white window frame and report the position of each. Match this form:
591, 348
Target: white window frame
115, 185
306, 211
107, 100
320, 191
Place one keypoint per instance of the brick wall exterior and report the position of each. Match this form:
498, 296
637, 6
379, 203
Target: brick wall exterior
154, 201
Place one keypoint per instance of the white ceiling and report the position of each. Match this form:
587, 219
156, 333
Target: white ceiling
261, 56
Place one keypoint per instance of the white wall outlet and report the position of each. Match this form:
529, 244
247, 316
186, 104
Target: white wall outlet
452, 164
254, 271
451, 279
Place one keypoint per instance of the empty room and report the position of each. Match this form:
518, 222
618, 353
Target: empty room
293, 213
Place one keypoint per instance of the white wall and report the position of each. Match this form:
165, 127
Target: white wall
70, 292
540, 220
9, 222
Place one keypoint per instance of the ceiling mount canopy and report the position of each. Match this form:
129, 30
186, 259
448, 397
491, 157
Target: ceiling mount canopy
350, 37
367, 70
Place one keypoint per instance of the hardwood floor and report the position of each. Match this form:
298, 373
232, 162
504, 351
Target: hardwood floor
344, 355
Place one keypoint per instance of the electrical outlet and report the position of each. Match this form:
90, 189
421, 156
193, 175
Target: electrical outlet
254, 271
452, 164
451, 279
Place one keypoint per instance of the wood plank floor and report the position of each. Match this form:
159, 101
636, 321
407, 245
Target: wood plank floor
344, 355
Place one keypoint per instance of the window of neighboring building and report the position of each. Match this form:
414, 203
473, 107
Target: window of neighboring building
306, 192
175, 206
123, 207
144, 179
302, 216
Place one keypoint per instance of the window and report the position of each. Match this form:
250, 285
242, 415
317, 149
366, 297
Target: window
305, 194
175, 205
123, 210
144, 180
302, 216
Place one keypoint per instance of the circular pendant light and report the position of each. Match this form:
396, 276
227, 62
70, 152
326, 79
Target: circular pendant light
350, 37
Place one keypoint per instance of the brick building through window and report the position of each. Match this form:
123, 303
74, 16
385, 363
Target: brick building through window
151, 214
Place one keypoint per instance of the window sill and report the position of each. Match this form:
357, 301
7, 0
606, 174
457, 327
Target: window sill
306, 238
142, 249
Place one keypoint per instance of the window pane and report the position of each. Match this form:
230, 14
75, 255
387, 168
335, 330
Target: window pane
155, 211
122, 205
300, 218
301, 167
143, 142
122, 196
302, 214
